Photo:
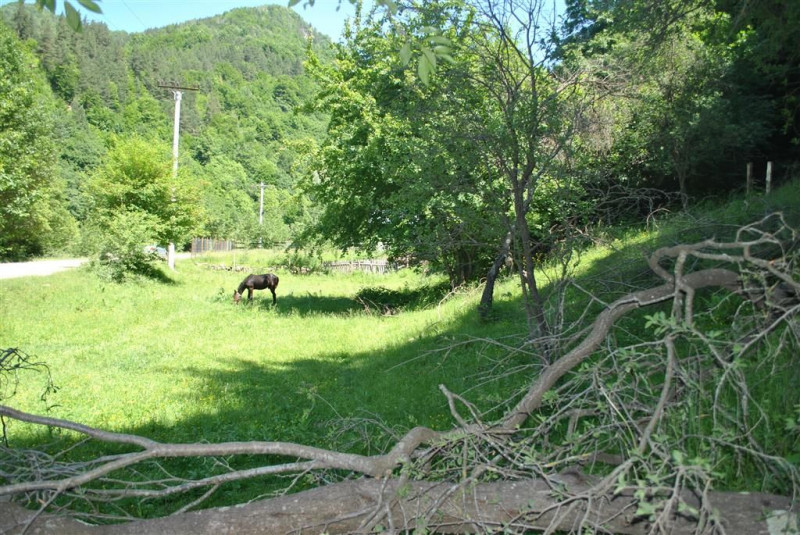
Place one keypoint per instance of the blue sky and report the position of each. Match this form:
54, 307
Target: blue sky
139, 15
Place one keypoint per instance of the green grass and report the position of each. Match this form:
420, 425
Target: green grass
178, 362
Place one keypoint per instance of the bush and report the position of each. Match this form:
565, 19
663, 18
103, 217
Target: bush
120, 248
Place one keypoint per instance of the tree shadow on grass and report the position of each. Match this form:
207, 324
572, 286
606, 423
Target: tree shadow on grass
143, 271
338, 400
306, 305
370, 300
156, 273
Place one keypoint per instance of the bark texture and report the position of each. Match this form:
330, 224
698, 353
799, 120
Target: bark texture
349, 507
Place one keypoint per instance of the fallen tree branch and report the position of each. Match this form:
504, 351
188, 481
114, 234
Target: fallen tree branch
602, 325
343, 507
373, 466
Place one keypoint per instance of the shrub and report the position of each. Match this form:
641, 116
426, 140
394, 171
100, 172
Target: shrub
120, 249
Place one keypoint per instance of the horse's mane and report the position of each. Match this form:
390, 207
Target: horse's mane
242, 286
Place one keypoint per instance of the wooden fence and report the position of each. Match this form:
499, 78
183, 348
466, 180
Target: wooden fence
369, 266
204, 245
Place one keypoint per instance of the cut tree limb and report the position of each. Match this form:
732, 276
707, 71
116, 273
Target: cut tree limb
602, 324
345, 507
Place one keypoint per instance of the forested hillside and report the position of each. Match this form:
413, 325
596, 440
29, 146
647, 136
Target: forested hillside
238, 128
603, 113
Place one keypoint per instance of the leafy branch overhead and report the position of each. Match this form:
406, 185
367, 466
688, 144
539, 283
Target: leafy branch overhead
72, 14
429, 47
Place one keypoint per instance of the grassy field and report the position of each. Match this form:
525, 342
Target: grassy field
177, 361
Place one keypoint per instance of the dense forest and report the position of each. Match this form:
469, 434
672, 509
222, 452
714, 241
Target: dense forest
78, 106
606, 112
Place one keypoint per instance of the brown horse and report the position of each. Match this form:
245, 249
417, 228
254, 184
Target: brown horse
257, 282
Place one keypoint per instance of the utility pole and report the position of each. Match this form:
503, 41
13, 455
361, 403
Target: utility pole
177, 92
261, 212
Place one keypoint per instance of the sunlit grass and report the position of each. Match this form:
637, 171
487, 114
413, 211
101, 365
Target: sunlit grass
181, 362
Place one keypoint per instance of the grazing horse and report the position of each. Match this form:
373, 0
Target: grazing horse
256, 282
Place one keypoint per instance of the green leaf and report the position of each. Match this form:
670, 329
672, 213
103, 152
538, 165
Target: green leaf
424, 69
440, 39
73, 17
90, 5
405, 53
447, 57
686, 509
428, 53
646, 509
293, 3
49, 4
622, 483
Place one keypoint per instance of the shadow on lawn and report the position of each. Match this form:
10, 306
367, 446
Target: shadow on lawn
371, 300
344, 401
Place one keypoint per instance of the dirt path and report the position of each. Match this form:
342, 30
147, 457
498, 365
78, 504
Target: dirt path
37, 268
40, 268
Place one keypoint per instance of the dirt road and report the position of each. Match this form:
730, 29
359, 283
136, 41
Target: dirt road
37, 268
40, 268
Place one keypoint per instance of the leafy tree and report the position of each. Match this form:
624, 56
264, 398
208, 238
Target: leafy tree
33, 215
273, 228
229, 208
134, 188
690, 116
449, 168
395, 170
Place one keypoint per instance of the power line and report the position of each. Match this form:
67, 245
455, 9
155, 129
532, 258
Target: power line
124, 3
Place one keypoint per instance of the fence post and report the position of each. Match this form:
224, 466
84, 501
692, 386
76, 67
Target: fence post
769, 176
749, 178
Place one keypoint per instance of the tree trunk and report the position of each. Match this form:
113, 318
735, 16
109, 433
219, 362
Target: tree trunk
371, 505
487, 298
534, 306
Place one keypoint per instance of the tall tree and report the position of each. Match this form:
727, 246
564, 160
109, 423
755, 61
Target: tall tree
399, 167
525, 129
496, 120
137, 201
33, 215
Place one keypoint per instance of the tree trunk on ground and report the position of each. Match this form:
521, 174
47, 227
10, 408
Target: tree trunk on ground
367, 505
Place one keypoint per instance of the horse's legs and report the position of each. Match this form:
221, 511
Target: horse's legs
274, 297
249, 293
